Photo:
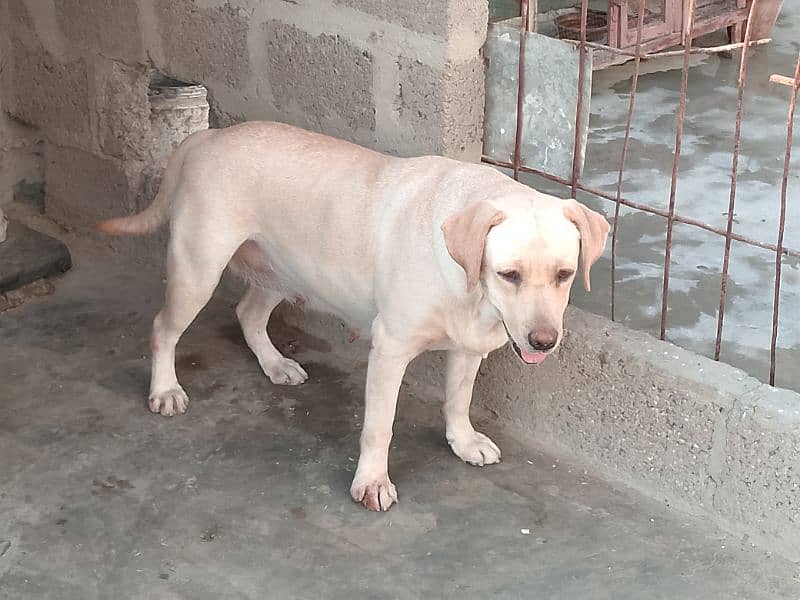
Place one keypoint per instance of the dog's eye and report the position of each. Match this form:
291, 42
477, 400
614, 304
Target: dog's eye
564, 275
511, 276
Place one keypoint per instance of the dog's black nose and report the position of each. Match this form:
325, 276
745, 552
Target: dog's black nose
543, 339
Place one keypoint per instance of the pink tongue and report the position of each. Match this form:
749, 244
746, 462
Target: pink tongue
533, 358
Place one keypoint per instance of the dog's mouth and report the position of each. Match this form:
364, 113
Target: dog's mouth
529, 358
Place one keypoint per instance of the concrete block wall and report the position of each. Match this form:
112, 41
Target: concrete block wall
402, 77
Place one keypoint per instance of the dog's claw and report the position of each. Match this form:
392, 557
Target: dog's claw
170, 402
475, 448
285, 371
377, 495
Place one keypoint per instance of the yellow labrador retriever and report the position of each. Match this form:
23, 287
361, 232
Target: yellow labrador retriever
422, 253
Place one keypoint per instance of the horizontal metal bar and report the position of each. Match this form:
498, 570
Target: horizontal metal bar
668, 53
644, 208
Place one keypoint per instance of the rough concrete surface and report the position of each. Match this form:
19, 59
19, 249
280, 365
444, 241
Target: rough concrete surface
300, 67
205, 43
122, 109
683, 428
246, 496
424, 16
27, 255
82, 188
48, 92
110, 27
445, 113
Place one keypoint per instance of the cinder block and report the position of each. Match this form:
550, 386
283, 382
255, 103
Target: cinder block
324, 77
424, 16
204, 45
441, 111
436, 18
48, 93
648, 429
463, 103
759, 482
110, 27
123, 109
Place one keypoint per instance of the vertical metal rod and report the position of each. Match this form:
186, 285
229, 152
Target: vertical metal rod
782, 222
687, 46
576, 152
524, 7
626, 140
533, 16
737, 134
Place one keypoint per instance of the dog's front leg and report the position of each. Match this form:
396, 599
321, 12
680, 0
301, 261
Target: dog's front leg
469, 445
387, 364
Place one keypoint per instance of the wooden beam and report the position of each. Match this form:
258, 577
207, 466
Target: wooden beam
783, 80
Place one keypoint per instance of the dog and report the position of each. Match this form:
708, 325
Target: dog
423, 253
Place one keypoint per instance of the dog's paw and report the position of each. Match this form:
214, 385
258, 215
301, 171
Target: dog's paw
474, 448
285, 371
170, 402
376, 494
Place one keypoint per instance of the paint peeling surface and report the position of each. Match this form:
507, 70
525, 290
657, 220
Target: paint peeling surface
702, 193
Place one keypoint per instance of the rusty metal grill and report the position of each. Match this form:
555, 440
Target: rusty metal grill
671, 214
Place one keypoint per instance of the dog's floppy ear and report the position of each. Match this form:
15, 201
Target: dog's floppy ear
465, 237
593, 228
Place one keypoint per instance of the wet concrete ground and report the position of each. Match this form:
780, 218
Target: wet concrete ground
246, 496
702, 193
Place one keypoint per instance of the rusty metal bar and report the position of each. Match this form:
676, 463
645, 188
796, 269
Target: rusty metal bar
668, 53
576, 152
676, 165
532, 21
524, 7
737, 136
782, 222
624, 154
644, 208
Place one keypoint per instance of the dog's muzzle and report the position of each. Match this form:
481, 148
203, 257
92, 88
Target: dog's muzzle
529, 358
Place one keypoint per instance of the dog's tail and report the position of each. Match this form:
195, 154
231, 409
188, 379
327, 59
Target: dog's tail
155, 215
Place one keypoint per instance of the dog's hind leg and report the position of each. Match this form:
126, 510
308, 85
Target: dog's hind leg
194, 268
253, 312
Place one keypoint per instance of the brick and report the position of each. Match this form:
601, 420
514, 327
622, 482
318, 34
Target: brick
110, 27
325, 77
205, 45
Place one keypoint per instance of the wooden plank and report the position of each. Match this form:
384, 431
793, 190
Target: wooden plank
782, 80
766, 14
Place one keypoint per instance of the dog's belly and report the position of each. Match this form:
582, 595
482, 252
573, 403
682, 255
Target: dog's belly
335, 289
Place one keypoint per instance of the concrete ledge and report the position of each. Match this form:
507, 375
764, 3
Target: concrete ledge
701, 436
28, 255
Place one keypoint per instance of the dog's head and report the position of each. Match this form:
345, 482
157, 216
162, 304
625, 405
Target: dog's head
524, 251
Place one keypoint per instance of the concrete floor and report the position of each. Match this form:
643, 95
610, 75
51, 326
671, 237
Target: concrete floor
246, 496
702, 193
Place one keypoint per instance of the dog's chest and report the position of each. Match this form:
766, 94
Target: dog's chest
478, 335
